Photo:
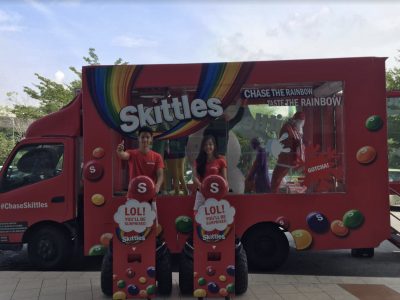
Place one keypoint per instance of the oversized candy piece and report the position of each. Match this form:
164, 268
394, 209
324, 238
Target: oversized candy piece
338, 228
317, 222
353, 219
302, 239
374, 123
214, 186
93, 170
141, 188
98, 152
366, 155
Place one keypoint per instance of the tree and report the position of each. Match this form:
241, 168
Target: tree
53, 95
393, 77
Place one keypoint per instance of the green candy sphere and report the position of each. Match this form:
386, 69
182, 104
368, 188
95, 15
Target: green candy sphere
184, 224
374, 123
353, 219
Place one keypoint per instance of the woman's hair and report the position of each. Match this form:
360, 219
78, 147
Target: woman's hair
201, 159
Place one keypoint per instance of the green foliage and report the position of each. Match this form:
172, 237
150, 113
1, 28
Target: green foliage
26, 112
393, 77
7, 143
51, 95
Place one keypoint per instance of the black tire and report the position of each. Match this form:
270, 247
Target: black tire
266, 246
363, 252
241, 272
186, 274
164, 273
49, 248
106, 278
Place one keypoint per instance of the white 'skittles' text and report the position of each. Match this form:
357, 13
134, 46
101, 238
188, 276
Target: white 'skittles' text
134, 116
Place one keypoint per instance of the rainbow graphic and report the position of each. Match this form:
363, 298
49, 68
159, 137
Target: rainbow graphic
110, 88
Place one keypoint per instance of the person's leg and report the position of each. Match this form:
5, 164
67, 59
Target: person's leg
174, 175
180, 175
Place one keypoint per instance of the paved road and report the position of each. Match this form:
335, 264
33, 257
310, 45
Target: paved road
385, 263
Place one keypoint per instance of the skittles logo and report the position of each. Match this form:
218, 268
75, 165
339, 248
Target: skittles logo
212, 236
135, 220
214, 220
132, 237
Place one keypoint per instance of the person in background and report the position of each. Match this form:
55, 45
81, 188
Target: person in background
291, 137
175, 160
220, 127
143, 160
258, 173
208, 162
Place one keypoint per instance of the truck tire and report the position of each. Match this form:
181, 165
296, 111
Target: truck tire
164, 273
266, 246
106, 278
241, 271
362, 252
185, 274
49, 248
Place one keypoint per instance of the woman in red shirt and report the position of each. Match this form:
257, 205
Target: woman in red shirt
208, 162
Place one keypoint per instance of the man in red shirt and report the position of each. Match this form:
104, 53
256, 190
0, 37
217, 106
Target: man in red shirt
143, 161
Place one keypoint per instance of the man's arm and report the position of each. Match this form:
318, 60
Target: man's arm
236, 119
160, 178
121, 153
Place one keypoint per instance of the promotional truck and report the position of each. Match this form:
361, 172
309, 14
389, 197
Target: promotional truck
305, 143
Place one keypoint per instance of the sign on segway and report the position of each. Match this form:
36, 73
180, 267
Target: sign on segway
134, 248
214, 243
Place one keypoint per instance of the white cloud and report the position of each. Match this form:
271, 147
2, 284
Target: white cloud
271, 31
40, 7
9, 22
10, 28
59, 76
132, 42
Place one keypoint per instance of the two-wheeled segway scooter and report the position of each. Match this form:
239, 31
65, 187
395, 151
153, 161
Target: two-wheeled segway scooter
213, 263
138, 263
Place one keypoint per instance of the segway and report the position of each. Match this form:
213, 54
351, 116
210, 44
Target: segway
214, 263
140, 261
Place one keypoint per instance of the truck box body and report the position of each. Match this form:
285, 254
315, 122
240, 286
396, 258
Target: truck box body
336, 96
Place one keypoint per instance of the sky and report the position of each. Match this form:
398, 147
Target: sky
47, 37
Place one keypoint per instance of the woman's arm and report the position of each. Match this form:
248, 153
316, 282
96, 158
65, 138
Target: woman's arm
196, 180
224, 174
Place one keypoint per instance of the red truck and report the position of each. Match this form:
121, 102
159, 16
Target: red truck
327, 178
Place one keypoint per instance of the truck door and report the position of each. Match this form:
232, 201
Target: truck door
37, 184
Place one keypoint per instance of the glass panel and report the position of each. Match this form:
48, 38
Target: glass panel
281, 138
33, 163
393, 115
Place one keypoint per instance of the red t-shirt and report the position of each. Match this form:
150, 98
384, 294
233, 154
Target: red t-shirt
213, 167
144, 164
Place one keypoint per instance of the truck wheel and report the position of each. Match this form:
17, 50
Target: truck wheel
106, 278
185, 274
362, 252
164, 274
241, 272
49, 248
266, 246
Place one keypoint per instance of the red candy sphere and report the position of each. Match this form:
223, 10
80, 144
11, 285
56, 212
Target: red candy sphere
214, 186
141, 188
93, 170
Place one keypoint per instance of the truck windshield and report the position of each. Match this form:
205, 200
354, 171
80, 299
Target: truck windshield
32, 164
